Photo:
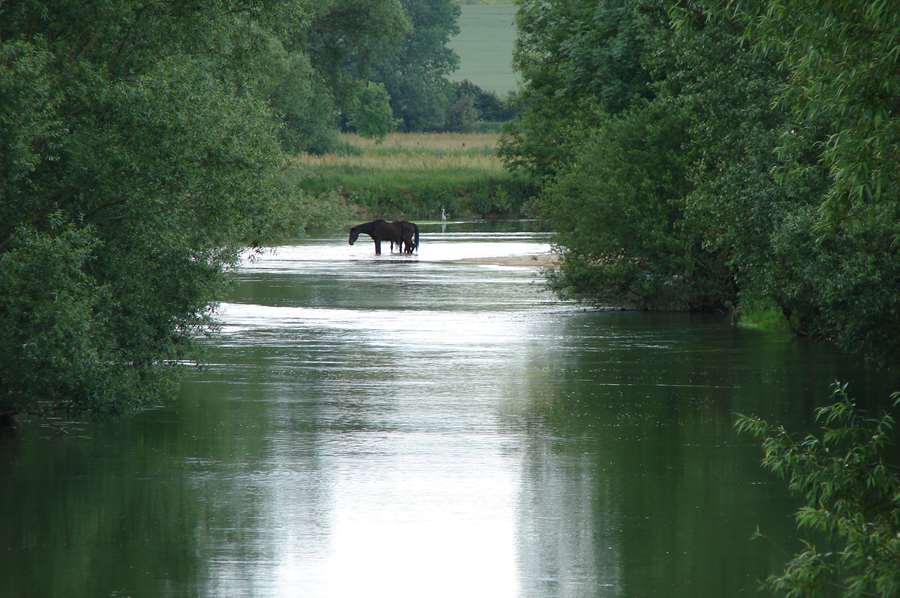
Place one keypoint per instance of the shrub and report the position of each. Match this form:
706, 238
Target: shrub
851, 492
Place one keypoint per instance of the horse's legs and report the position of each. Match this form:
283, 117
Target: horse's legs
377, 246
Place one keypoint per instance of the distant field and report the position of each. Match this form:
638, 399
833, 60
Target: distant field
485, 47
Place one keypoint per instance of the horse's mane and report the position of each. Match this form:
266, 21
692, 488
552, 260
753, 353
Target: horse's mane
367, 226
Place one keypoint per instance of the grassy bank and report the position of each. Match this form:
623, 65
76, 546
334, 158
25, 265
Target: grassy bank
408, 175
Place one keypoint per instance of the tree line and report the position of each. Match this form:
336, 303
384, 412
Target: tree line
141, 145
737, 156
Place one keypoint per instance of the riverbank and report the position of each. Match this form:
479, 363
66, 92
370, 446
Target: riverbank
541, 260
408, 175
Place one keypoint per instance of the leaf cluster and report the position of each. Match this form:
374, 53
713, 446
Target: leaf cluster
851, 493
140, 149
786, 153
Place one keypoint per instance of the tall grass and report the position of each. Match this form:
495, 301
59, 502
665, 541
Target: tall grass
439, 143
403, 160
414, 175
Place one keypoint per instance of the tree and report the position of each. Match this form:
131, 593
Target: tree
415, 76
347, 39
370, 112
851, 491
577, 60
138, 155
490, 108
462, 116
788, 141
840, 258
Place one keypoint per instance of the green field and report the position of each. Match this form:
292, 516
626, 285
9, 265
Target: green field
411, 175
485, 47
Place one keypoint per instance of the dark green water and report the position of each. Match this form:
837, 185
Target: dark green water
421, 428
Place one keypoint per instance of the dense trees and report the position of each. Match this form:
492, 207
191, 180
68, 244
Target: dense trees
416, 75
140, 148
707, 157
699, 156
140, 143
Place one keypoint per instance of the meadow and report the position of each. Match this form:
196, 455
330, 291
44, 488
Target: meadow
410, 175
485, 47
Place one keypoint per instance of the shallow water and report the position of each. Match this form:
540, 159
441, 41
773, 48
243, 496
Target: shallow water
422, 427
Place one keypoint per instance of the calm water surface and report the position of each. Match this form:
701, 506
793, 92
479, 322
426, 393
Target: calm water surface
424, 427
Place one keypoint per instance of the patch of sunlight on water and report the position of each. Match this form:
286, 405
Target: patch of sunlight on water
432, 248
416, 426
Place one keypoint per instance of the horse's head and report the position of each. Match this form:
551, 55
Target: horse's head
354, 234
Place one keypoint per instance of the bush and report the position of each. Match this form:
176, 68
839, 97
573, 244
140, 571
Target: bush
123, 199
370, 112
462, 117
624, 233
851, 491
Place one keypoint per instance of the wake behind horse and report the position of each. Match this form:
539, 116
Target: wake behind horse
400, 232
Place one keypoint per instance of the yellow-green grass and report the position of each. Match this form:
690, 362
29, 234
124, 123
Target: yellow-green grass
410, 155
393, 162
415, 174
426, 142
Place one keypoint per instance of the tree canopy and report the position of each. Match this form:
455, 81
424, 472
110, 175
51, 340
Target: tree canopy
140, 142
701, 156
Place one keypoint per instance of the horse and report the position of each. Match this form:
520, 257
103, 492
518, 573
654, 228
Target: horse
409, 231
400, 232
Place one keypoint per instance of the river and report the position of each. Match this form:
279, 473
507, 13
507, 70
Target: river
424, 427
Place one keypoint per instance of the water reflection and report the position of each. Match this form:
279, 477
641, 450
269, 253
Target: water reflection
401, 426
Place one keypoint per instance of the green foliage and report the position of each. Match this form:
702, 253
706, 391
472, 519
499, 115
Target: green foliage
851, 492
578, 60
489, 107
785, 157
297, 212
842, 58
462, 116
416, 193
838, 276
415, 75
138, 155
761, 314
625, 232
370, 111
306, 108
47, 339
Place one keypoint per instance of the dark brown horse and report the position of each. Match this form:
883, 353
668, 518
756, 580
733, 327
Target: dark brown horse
409, 232
400, 232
